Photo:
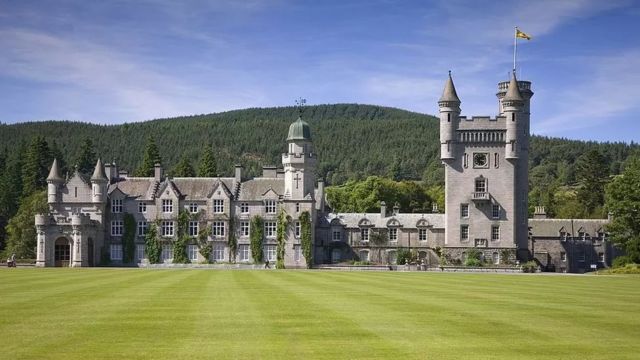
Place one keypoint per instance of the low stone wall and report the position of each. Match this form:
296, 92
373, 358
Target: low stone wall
212, 266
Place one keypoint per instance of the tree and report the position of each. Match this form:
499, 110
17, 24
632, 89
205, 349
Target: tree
10, 191
623, 201
592, 172
152, 246
280, 238
256, 238
87, 158
21, 232
56, 153
208, 167
184, 168
305, 238
36, 166
150, 159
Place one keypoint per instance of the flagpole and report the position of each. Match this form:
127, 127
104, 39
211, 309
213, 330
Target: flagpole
515, 47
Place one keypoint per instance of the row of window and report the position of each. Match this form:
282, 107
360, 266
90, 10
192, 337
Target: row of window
583, 235
464, 211
464, 232
192, 252
581, 256
218, 206
393, 235
217, 227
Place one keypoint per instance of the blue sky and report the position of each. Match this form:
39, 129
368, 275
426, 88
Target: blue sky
123, 61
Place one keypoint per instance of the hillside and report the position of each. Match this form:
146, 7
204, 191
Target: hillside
352, 141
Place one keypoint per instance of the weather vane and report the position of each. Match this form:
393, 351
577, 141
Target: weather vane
300, 103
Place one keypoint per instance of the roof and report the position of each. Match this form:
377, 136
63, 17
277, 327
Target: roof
98, 173
202, 188
254, 189
552, 227
299, 130
141, 188
54, 174
513, 91
407, 220
449, 93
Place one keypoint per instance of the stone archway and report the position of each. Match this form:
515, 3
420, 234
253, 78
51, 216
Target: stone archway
62, 252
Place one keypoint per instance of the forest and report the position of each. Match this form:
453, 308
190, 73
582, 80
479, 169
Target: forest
398, 148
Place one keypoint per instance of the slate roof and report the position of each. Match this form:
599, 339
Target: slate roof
513, 92
54, 174
202, 188
255, 188
449, 93
136, 187
552, 227
407, 220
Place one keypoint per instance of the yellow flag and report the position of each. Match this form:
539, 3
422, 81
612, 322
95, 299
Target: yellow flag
522, 35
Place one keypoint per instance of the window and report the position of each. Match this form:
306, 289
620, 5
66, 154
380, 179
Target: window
495, 232
116, 228
337, 235
193, 228
563, 256
218, 229
116, 206
392, 257
244, 228
496, 258
495, 211
297, 207
422, 234
601, 257
581, 257
297, 252
464, 210
363, 255
218, 252
192, 252
193, 208
270, 229
167, 206
465, 160
481, 185
142, 228
167, 229
582, 235
563, 235
393, 234
297, 229
270, 253
270, 206
244, 208
142, 207
140, 252
218, 206
116, 252
464, 232
243, 252
167, 253
364, 235
496, 160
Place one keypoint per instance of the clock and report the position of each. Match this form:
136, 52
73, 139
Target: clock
480, 160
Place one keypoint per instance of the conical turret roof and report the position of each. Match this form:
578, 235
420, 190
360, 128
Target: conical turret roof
449, 93
299, 130
54, 174
513, 91
98, 172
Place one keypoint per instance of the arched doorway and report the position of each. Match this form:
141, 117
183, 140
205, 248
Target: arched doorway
62, 252
336, 255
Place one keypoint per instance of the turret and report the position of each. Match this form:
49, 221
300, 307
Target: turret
449, 105
299, 162
99, 183
54, 181
513, 106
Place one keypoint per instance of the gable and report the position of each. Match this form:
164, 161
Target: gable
76, 190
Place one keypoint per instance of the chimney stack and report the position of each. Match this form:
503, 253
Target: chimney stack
158, 172
238, 177
383, 209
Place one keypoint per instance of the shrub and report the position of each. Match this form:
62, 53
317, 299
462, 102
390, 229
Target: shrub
406, 255
529, 267
621, 261
473, 257
473, 262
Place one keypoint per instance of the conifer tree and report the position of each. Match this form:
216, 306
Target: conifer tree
86, 160
623, 200
208, 167
151, 158
36, 166
592, 173
56, 153
184, 168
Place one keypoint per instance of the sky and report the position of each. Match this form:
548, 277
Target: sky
112, 62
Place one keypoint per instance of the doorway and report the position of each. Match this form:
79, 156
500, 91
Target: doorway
62, 252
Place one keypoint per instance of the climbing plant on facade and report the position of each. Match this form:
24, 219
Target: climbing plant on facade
233, 239
257, 232
152, 245
305, 240
281, 229
180, 243
128, 239
204, 246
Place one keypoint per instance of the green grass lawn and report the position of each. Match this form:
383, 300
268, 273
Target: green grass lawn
211, 314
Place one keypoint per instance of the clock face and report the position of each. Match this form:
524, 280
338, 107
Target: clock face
480, 160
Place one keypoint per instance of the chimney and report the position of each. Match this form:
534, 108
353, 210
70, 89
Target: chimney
158, 172
111, 171
238, 177
396, 209
320, 199
123, 174
383, 209
540, 212
269, 171
434, 208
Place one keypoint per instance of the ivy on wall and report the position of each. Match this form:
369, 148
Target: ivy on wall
180, 243
307, 246
204, 246
281, 228
129, 239
152, 245
257, 233
233, 240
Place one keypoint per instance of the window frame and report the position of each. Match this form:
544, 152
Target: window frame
167, 206
116, 206
117, 225
218, 206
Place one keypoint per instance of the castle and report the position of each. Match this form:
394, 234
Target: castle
486, 197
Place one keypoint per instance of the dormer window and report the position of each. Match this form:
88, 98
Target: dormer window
218, 206
167, 205
270, 206
193, 208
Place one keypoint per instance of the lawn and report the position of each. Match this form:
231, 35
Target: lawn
212, 314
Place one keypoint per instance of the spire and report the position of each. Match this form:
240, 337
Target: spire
54, 174
513, 91
449, 93
98, 173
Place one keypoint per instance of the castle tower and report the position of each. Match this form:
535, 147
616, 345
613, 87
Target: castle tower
99, 184
54, 181
299, 162
486, 163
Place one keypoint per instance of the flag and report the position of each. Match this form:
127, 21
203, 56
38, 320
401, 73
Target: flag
521, 35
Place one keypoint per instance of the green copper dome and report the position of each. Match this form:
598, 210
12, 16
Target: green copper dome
299, 130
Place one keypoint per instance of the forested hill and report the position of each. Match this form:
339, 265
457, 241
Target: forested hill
352, 141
